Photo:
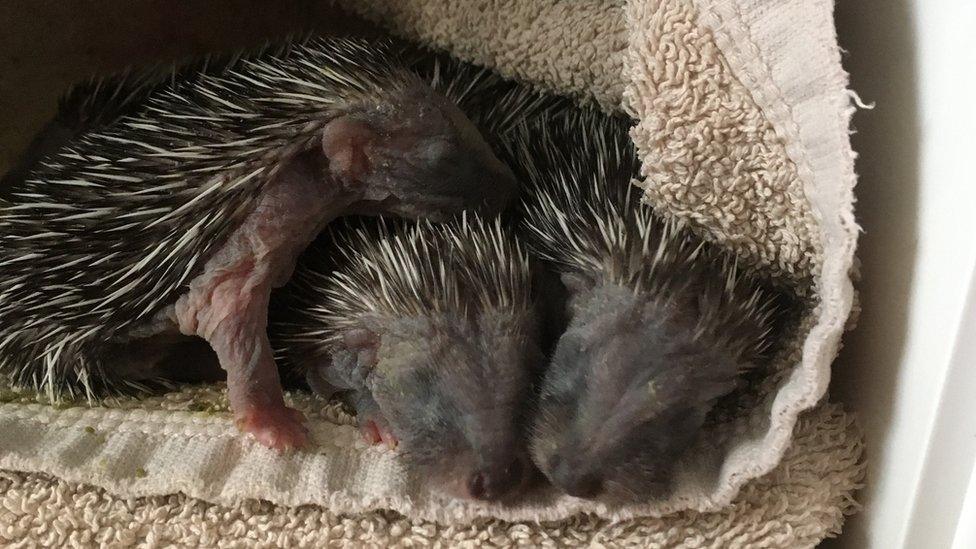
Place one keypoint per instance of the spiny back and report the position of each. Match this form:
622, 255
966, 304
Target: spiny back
161, 170
583, 214
387, 268
146, 176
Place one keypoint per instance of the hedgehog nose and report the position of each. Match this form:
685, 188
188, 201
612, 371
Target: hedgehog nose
491, 483
566, 477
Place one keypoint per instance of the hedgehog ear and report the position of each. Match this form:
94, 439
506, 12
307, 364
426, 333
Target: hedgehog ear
575, 282
345, 142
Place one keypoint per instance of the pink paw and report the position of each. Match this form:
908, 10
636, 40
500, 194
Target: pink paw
281, 428
374, 433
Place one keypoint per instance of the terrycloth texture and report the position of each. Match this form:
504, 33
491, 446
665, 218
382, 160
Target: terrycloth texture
797, 505
743, 116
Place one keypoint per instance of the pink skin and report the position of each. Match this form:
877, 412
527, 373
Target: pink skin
376, 431
227, 304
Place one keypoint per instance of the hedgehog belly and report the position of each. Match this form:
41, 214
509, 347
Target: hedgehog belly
227, 303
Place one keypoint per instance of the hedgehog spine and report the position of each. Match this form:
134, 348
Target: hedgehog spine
399, 268
580, 216
102, 233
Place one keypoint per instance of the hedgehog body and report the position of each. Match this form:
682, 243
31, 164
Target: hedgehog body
661, 324
173, 202
429, 330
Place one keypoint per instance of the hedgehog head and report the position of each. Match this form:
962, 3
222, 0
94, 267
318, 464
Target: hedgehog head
414, 153
626, 394
661, 324
453, 389
432, 326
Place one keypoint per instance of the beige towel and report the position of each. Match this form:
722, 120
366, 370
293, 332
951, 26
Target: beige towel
801, 502
743, 115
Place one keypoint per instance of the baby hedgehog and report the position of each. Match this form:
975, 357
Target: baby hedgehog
430, 333
161, 207
661, 324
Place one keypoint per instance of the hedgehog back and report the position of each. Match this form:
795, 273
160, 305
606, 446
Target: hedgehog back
105, 231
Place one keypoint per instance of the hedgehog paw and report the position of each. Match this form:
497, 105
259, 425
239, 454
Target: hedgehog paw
378, 432
280, 428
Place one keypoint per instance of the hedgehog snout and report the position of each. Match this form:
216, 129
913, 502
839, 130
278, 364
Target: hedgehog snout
494, 482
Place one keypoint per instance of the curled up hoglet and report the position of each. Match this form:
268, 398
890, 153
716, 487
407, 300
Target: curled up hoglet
157, 209
430, 332
661, 325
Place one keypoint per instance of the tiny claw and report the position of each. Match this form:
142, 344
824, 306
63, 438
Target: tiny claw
371, 433
374, 434
279, 428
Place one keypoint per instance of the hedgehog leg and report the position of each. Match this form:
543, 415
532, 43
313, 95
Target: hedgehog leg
345, 372
227, 304
327, 379
372, 424
234, 322
348, 368
228, 307
241, 342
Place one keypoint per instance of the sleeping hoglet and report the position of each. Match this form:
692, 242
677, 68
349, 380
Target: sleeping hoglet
429, 332
661, 324
158, 208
